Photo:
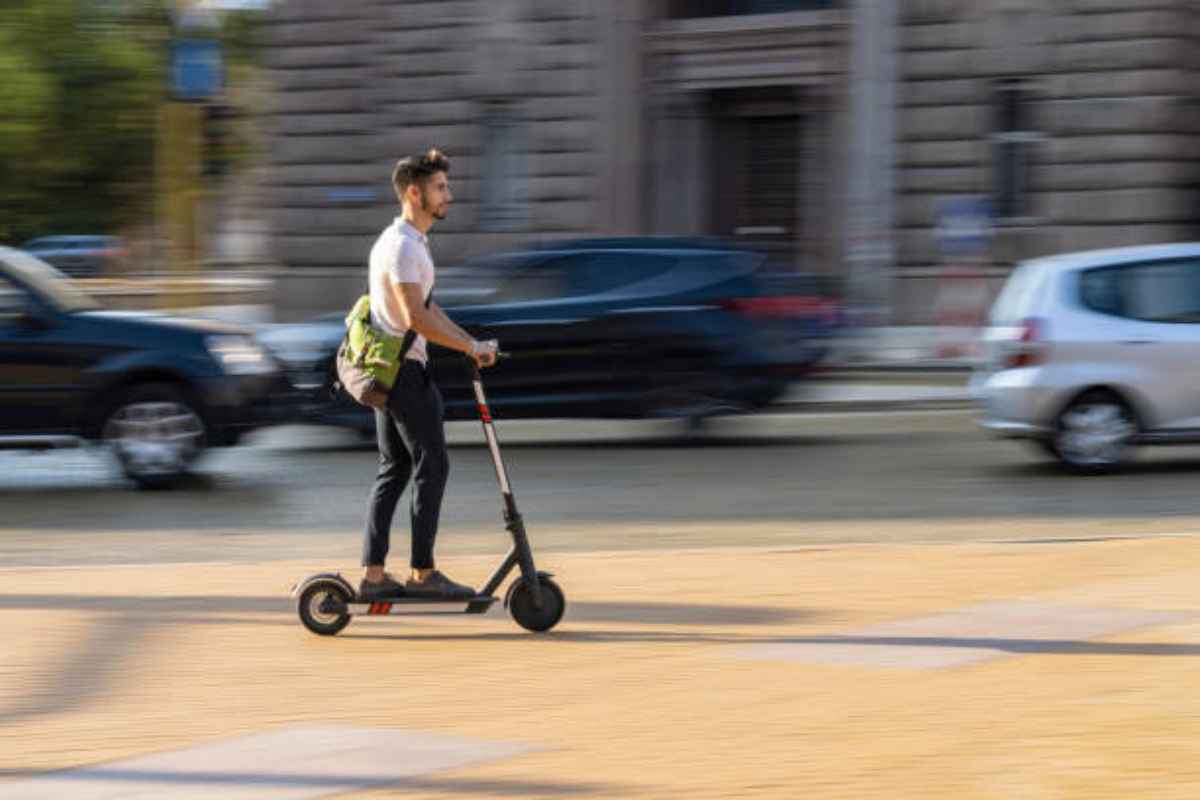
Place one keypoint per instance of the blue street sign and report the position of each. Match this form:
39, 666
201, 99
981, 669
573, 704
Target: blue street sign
196, 69
964, 225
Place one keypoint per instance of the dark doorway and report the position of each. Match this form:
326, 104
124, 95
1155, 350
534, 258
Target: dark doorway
756, 167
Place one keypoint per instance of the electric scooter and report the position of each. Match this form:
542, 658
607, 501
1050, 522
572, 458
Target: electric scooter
326, 602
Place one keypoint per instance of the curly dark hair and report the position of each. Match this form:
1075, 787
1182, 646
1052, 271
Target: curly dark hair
418, 169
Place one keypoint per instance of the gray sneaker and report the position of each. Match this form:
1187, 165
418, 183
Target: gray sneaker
388, 587
438, 585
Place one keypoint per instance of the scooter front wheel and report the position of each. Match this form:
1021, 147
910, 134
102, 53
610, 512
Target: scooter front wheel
322, 607
528, 615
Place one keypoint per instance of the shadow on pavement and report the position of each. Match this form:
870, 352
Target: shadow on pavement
90, 669
1015, 646
190, 609
87, 672
353, 783
1006, 645
684, 614
148, 604
1049, 469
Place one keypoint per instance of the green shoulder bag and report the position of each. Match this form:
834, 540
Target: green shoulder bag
368, 359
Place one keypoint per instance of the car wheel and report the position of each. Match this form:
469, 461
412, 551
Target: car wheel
1095, 433
155, 432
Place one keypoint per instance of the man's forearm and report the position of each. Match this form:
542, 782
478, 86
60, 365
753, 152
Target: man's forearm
446, 319
437, 328
430, 321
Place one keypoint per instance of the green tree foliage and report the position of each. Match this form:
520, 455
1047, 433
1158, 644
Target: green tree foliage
80, 86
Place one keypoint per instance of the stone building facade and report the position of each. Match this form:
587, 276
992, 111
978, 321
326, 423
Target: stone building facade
1078, 119
1075, 121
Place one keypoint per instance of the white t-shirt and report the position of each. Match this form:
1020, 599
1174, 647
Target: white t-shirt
400, 255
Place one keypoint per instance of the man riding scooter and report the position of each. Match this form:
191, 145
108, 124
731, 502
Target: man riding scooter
410, 431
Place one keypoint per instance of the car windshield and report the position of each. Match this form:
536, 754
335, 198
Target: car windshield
478, 281
48, 282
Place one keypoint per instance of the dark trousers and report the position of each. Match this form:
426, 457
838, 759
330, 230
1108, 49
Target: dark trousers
412, 444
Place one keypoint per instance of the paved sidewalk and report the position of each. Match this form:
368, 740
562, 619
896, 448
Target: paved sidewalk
1051, 670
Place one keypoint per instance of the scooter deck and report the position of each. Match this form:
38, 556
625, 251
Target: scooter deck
394, 604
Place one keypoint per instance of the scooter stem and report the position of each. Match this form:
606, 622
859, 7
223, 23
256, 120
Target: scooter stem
522, 552
489, 433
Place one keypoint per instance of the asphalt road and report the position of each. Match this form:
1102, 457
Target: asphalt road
770, 480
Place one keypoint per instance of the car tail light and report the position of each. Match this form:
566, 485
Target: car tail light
783, 306
1029, 349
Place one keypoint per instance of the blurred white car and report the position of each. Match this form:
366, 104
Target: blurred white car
1089, 354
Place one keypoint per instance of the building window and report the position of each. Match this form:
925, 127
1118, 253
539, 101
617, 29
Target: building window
1014, 143
686, 9
502, 205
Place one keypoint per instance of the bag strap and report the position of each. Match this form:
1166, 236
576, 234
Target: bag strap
410, 335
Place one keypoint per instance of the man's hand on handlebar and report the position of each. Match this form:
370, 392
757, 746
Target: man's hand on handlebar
484, 353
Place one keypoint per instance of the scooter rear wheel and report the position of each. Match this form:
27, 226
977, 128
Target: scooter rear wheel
529, 616
314, 607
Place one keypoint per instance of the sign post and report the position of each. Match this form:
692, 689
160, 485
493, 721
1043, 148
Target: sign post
964, 234
195, 75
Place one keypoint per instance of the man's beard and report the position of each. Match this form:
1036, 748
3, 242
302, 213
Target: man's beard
436, 213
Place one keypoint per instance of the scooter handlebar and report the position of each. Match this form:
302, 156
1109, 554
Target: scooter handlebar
501, 355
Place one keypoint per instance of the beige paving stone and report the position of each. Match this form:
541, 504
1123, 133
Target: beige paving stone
637, 694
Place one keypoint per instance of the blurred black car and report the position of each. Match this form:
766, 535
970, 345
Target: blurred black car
628, 328
157, 389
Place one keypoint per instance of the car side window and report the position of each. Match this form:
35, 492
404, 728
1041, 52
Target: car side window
1100, 290
1153, 291
543, 280
1166, 291
595, 273
579, 274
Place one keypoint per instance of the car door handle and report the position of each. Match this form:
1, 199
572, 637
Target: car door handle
1139, 341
